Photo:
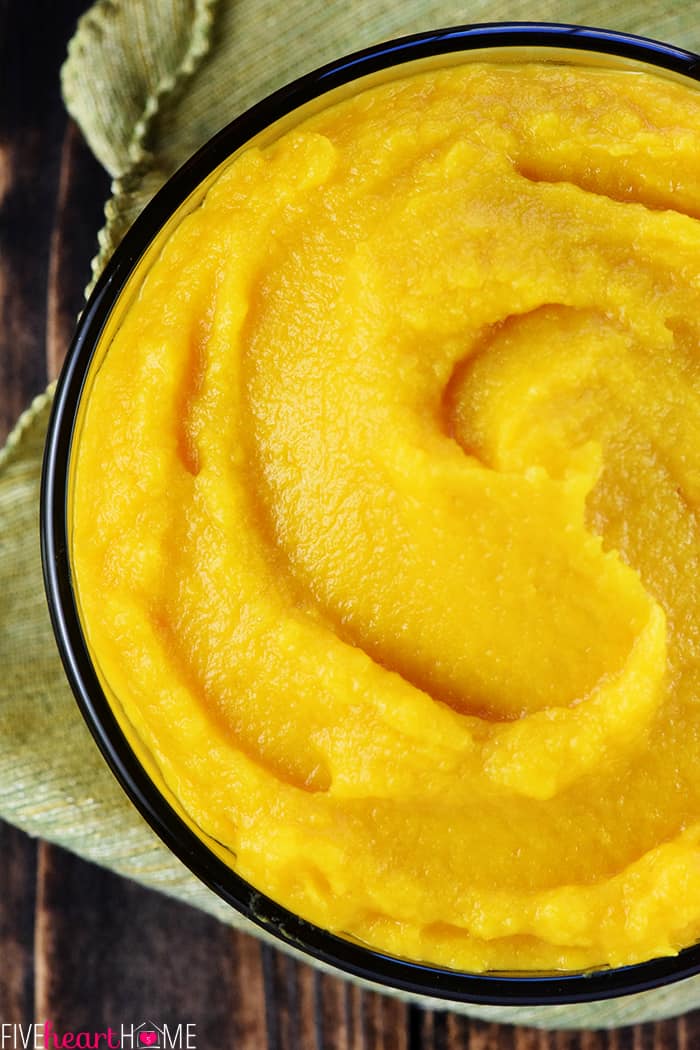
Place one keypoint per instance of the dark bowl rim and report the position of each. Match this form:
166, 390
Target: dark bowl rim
348, 957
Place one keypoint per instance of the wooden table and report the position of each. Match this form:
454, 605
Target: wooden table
79, 945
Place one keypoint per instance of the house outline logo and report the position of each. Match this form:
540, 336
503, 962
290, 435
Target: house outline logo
147, 1029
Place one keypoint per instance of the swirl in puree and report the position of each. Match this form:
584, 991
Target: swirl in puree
385, 522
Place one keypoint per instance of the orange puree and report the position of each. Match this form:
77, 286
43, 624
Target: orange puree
385, 516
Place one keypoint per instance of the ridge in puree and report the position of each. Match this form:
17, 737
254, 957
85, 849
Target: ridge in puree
385, 516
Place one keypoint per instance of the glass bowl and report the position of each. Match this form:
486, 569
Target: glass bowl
265, 121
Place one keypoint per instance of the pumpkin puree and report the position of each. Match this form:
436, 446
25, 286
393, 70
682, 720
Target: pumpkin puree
385, 516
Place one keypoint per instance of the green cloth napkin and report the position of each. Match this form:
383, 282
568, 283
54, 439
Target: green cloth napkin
148, 83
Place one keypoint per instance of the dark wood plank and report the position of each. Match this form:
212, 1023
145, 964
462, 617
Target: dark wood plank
33, 39
590, 1040
388, 1023
477, 1035
290, 992
530, 1039
17, 883
111, 953
679, 1028
247, 989
354, 1013
338, 1015
83, 187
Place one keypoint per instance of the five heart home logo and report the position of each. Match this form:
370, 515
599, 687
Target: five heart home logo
146, 1036
149, 1035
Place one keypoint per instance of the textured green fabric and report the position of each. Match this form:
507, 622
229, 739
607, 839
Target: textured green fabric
148, 82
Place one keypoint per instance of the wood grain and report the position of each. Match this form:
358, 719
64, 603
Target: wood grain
109, 952
17, 882
79, 944
79, 213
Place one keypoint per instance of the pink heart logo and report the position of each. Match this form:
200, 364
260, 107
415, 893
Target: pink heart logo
148, 1038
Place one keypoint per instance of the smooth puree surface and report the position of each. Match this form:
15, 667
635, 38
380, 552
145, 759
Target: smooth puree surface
385, 521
